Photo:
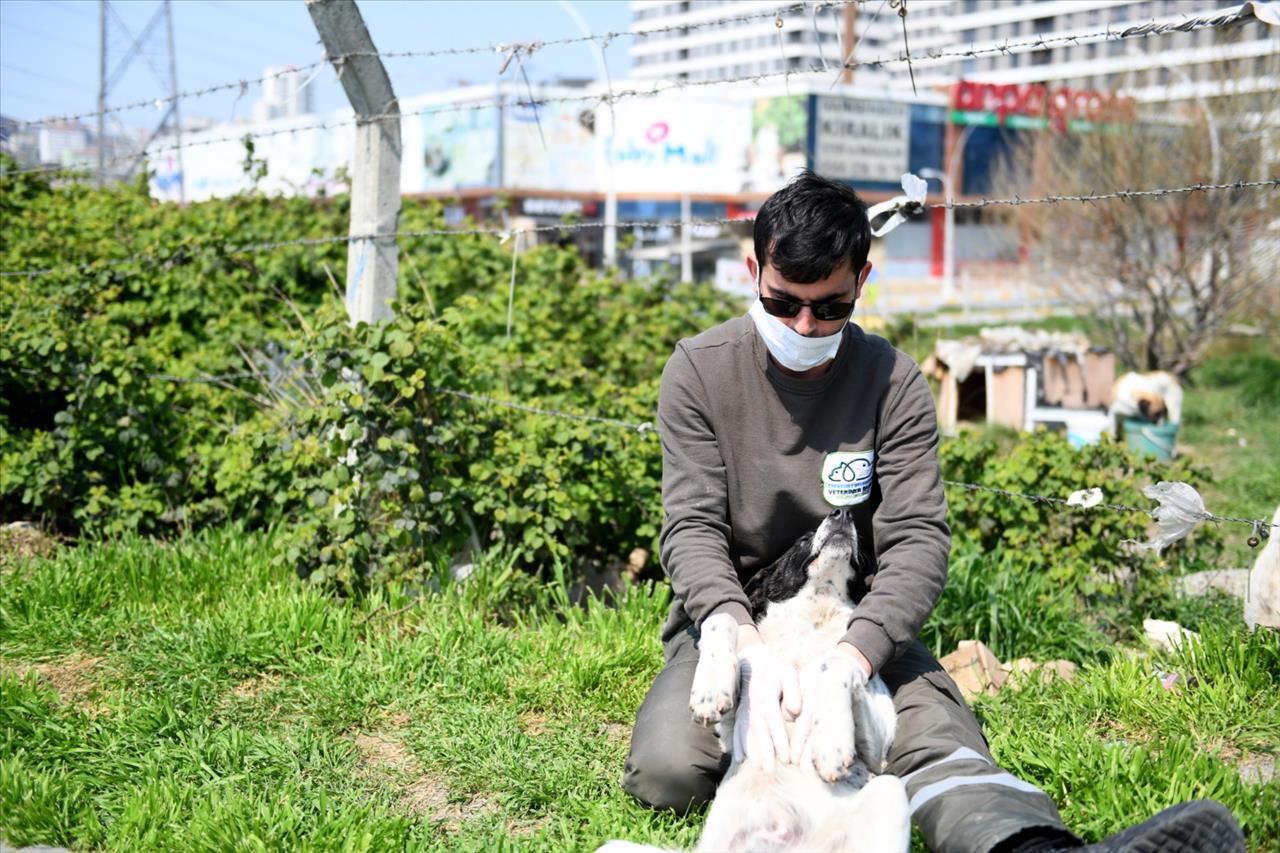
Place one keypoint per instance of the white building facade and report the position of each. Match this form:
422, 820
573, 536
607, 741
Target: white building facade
687, 44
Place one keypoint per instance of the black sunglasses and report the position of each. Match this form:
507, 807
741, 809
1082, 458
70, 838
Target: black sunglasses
821, 310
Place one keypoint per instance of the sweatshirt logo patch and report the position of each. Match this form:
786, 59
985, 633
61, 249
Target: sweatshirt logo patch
847, 475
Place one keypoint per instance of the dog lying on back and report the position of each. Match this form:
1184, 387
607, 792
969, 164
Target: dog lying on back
832, 799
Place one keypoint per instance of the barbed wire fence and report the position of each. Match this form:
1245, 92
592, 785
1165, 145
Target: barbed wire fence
188, 253
507, 51
1259, 529
611, 96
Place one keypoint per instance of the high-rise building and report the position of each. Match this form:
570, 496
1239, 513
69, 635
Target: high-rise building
688, 46
285, 94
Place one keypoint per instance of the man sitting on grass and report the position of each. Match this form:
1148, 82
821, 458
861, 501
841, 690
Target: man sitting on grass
756, 416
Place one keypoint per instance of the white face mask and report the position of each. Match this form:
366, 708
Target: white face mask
788, 347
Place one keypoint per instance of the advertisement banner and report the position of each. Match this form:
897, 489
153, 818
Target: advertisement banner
459, 151
669, 145
779, 127
549, 147
301, 162
861, 140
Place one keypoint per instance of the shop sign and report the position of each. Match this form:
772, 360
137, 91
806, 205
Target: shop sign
1035, 106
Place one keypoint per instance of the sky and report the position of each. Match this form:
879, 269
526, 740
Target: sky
49, 61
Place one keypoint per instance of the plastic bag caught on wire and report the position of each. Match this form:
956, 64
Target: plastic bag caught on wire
1085, 498
1181, 509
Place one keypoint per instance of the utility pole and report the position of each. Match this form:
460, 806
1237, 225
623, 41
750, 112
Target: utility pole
850, 41
173, 91
375, 170
686, 238
107, 82
102, 91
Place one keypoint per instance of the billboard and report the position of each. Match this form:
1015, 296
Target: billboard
679, 145
457, 150
549, 146
855, 139
216, 165
1033, 106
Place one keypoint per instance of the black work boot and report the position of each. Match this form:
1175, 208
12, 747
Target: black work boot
1200, 826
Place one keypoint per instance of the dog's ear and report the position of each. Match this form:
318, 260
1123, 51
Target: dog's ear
782, 579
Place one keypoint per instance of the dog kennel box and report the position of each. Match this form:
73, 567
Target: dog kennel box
1027, 389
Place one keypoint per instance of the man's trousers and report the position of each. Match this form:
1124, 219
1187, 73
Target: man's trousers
958, 796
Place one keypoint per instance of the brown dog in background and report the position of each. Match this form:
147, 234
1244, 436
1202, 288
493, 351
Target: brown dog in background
1154, 397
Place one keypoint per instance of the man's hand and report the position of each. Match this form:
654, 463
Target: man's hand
852, 650
768, 686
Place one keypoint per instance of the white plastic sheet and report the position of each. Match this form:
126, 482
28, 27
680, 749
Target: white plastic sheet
1181, 509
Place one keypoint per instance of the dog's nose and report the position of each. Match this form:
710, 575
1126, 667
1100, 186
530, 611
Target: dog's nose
843, 513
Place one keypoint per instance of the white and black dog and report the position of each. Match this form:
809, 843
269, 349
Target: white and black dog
833, 799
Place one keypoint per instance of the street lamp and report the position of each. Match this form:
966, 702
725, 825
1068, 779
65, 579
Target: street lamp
948, 235
611, 190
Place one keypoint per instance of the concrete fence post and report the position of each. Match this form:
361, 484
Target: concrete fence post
375, 168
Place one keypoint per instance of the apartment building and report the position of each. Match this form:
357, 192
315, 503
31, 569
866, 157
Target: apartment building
688, 45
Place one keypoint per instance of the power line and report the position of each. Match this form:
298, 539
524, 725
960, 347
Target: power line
1244, 12
525, 48
664, 87
40, 75
1261, 528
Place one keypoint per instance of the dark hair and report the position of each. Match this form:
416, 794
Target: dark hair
810, 227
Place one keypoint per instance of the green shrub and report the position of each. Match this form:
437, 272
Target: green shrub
1083, 551
396, 462
1254, 373
95, 434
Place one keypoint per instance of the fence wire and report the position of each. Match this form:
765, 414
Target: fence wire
1260, 527
613, 96
496, 48
191, 253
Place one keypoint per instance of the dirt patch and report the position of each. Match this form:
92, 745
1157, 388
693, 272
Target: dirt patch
383, 754
1257, 769
533, 725
617, 733
524, 828
1114, 733
21, 541
71, 678
1254, 769
253, 688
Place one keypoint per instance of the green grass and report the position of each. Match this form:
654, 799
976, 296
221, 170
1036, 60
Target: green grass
184, 696
1230, 424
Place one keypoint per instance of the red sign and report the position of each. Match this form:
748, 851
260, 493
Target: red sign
1058, 107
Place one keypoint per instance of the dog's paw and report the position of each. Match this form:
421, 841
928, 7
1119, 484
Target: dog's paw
715, 681
833, 746
715, 688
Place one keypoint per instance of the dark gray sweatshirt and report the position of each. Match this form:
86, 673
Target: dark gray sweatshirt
752, 459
